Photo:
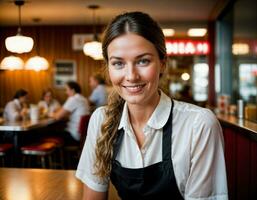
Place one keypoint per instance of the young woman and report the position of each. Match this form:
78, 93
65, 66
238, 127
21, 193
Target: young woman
17, 108
148, 145
74, 108
48, 104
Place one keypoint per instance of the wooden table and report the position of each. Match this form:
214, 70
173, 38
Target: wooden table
41, 184
25, 125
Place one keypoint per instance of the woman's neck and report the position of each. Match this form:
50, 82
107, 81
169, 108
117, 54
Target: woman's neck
140, 114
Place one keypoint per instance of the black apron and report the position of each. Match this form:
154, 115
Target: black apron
155, 182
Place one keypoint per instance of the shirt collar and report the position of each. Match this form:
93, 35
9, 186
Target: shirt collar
157, 120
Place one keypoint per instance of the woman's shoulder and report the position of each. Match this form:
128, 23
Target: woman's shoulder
98, 115
196, 113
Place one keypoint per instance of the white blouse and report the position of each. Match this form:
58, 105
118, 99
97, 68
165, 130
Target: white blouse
12, 110
78, 106
197, 149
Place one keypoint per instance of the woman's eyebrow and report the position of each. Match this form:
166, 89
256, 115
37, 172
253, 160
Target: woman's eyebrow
144, 54
139, 56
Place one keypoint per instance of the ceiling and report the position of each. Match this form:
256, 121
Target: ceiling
181, 14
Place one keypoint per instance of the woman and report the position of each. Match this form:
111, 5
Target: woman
48, 104
149, 146
75, 107
17, 109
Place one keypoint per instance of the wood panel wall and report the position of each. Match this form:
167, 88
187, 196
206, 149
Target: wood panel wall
51, 42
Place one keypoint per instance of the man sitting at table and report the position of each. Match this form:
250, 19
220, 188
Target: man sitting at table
17, 108
75, 107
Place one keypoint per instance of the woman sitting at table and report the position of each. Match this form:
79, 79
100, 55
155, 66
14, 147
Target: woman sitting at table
75, 107
17, 108
48, 105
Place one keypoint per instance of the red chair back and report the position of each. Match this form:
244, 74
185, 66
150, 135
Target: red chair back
84, 120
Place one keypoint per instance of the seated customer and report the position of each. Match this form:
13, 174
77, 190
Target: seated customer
75, 106
48, 105
98, 96
17, 108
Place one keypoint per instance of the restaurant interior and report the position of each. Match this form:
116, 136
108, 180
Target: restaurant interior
212, 62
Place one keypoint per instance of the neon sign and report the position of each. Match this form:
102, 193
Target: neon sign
187, 47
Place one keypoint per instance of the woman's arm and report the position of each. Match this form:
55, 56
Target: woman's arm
89, 194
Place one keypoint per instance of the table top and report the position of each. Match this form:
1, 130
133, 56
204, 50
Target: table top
41, 184
25, 125
242, 123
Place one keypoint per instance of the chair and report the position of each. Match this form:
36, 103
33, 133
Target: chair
75, 150
42, 149
83, 125
59, 142
4, 149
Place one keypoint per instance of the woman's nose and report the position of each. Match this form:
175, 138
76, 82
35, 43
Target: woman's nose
132, 73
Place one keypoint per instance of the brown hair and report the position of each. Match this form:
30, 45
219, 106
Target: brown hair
130, 22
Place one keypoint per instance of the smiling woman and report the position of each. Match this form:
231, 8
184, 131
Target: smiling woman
148, 145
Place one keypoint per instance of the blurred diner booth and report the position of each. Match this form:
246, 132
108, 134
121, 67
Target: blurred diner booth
211, 62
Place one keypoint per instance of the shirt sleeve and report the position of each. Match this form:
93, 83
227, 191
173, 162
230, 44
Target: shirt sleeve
12, 112
70, 104
94, 96
85, 170
207, 178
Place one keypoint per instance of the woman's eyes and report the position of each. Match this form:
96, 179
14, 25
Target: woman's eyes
117, 64
143, 62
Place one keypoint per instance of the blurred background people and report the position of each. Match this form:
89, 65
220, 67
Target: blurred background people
98, 96
48, 105
186, 94
17, 108
74, 108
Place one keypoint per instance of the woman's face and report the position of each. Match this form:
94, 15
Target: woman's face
69, 91
134, 68
23, 99
48, 97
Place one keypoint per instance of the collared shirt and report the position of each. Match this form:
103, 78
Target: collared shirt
99, 96
12, 110
78, 106
197, 149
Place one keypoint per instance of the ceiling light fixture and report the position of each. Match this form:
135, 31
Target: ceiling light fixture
19, 43
93, 48
12, 63
197, 32
37, 63
168, 32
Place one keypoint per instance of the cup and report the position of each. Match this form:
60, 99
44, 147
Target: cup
240, 108
34, 113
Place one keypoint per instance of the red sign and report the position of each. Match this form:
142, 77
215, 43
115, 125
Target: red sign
187, 47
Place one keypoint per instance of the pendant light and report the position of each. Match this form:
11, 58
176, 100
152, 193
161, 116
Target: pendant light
37, 63
12, 63
19, 43
93, 48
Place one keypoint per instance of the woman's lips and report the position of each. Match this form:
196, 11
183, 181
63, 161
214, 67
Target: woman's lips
134, 88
